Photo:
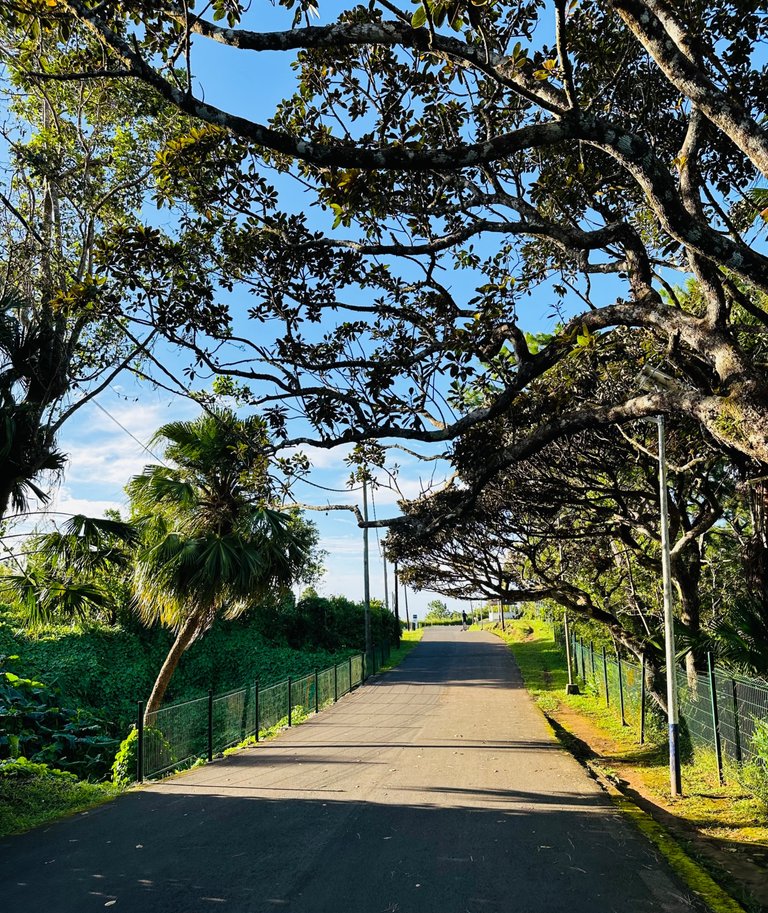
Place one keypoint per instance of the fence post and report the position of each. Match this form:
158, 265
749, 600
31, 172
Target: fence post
257, 710
642, 700
605, 679
621, 688
350, 672
210, 724
373, 657
140, 742
335, 682
736, 725
592, 656
715, 718
317, 692
290, 704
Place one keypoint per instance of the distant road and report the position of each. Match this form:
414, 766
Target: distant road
436, 788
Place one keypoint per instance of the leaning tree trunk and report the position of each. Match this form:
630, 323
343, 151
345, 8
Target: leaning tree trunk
184, 639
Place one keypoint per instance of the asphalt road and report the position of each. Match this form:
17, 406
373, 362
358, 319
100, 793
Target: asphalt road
436, 788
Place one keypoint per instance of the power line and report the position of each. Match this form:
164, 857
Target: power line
130, 434
342, 491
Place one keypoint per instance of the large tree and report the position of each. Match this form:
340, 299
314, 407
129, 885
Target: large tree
603, 148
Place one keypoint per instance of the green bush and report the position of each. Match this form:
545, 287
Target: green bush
124, 768
754, 775
24, 769
105, 670
32, 793
36, 726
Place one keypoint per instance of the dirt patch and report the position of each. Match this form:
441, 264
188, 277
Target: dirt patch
741, 866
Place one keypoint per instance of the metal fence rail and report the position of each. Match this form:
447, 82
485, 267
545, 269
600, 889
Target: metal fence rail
176, 736
719, 709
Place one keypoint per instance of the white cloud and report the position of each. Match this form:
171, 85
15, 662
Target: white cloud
322, 458
64, 502
102, 454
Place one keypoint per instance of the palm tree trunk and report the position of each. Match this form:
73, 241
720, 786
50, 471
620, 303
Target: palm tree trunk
184, 639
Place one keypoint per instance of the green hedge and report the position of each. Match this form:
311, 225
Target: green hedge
106, 670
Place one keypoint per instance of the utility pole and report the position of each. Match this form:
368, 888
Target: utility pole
675, 784
366, 573
571, 687
386, 584
407, 616
501, 603
396, 604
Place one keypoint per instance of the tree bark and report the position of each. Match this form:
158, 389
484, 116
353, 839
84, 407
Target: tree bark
184, 639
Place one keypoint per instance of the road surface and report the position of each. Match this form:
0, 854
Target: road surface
435, 788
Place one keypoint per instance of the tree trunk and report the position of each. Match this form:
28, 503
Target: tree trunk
184, 639
686, 574
654, 683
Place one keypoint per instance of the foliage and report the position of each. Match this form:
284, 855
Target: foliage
105, 669
75, 170
330, 622
76, 573
437, 610
32, 794
594, 143
125, 766
754, 775
37, 727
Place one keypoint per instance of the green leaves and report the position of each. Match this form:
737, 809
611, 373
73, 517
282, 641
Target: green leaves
451, 12
209, 542
36, 727
420, 16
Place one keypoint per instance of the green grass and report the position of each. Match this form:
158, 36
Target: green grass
726, 812
42, 796
408, 640
538, 658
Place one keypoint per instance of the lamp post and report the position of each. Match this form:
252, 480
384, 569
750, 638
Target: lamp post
669, 625
571, 687
366, 573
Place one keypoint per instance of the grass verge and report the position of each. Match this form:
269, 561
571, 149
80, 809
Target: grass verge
33, 794
408, 640
723, 825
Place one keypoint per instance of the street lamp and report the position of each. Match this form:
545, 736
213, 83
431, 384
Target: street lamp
673, 711
669, 624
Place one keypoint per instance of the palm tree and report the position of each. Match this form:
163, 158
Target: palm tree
71, 574
211, 545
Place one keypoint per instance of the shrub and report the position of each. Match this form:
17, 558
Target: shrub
34, 725
124, 767
754, 775
32, 793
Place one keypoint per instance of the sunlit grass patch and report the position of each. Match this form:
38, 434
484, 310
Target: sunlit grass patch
33, 794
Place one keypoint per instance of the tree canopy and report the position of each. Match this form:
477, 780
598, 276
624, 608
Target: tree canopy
600, 149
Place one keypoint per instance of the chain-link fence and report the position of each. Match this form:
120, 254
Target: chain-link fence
720, 710
173, 737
